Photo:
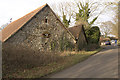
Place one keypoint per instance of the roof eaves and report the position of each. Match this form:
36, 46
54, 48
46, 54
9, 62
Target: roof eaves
22, 24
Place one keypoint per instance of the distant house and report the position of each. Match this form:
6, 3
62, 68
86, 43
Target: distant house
108, 38
38, 30
103, 39
80, 36
113, 38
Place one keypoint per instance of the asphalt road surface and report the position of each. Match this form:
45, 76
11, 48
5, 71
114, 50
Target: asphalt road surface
101, 65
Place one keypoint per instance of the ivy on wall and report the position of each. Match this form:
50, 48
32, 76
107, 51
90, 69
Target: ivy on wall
63, 44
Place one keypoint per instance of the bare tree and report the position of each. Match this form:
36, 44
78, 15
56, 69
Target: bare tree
115, 27
80, 11
115, 19
114, 23
88, 12
4, 25
106, 28
64, 11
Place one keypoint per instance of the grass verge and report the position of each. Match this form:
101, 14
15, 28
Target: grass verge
68, 59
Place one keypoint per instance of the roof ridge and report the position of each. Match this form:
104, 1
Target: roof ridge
62, 24
25, 18
27, 14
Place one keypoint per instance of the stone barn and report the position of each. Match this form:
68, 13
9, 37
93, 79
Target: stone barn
79, 33
38, 30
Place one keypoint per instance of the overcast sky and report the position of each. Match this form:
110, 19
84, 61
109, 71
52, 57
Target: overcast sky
17, 8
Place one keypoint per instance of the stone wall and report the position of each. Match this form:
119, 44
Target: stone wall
43, 32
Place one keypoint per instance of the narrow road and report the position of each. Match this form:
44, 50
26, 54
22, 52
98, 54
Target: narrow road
101, 65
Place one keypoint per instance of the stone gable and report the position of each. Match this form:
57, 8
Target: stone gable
43, 32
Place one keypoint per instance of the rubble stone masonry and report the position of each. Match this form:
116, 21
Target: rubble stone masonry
44, 32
